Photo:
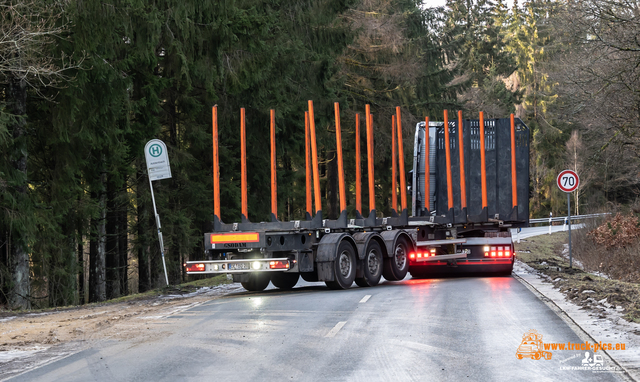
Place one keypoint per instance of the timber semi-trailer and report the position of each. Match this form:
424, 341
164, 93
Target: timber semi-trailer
476, 189
361, 249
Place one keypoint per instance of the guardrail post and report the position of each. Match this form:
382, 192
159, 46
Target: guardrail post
550, 217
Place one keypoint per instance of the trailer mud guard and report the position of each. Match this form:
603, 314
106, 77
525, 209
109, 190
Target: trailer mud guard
326, 254
396, 264
362, 240
391, 238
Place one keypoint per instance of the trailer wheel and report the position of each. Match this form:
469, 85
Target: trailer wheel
257, 282
284, 280
396, 266
344, 267
373, 263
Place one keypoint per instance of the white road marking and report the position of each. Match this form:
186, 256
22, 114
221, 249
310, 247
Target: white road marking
365, 299
336, 329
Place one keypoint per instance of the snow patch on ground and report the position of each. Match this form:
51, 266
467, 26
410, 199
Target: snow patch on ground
216, 291
6, 356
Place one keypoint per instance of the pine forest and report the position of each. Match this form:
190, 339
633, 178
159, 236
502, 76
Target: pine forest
85, 84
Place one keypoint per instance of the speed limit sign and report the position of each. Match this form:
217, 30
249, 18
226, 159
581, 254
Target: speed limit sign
568, 181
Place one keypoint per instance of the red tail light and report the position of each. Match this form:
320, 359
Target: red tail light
419, 255
507, 253
198, 267
412, 256
279, 264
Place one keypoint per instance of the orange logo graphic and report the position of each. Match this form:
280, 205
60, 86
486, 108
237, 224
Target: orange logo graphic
532, 346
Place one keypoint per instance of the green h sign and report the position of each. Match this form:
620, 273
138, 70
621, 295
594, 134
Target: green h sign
155, 150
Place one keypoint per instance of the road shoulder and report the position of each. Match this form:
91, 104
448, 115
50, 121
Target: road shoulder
590, 325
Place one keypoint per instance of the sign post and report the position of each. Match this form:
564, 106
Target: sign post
568, 181
155, 153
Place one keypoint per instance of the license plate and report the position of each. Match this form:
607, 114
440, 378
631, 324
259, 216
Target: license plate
238, 266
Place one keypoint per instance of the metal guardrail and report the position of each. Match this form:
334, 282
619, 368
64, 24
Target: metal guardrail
563, 218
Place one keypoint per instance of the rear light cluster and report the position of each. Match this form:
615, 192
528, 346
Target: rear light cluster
279, 264
420, 255
198, 267
500, 251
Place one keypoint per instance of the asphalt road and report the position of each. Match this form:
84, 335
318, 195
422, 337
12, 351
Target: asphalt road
456, 329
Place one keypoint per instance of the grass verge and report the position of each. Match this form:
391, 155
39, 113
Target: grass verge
544, 253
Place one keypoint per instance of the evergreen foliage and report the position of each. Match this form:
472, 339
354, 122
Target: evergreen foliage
76, 216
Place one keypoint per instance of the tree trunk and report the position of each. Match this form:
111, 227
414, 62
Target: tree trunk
97, 246
19, 294
112, 260
123, 248
80, 256
144, 278
61, 279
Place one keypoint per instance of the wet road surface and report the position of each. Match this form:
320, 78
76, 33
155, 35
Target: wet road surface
453, 329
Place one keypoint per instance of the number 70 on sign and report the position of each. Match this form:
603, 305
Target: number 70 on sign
568, 181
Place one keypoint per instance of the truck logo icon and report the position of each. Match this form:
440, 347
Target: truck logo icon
596, 361
532, 346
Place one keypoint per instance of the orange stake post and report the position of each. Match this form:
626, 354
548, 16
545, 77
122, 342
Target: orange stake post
243, 161
274, 179
403, 181
483, 164
447, 146
216, 163
307, 162
514, 183
394, 185
463, 181
372, 192
343, 197
358, 169
427, 181
314, 157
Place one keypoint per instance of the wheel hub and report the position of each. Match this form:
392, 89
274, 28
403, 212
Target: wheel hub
372, 262
400, 257
345, 264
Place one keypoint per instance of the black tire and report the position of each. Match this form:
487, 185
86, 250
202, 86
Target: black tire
284, 280
397, 265
257, 282
373, 263
344, 267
